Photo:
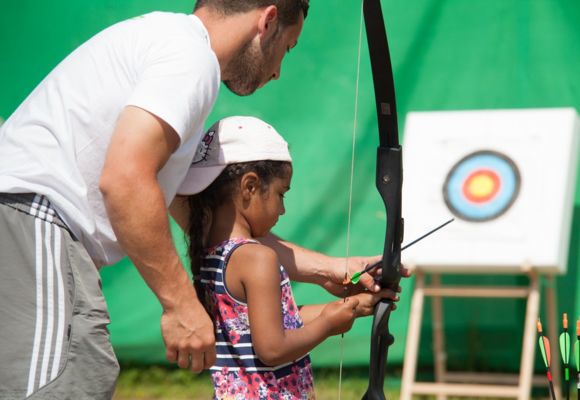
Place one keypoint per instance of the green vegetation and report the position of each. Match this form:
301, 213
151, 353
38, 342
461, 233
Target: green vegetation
170, 383
158, 382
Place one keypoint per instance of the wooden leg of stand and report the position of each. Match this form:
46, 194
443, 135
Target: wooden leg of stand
551, 310
439, 354
413, 336
529, 339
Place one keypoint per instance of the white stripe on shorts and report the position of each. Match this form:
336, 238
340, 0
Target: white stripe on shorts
46, 310
61, 308
39, 307
49, 304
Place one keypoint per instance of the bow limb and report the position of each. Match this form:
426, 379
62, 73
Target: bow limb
389, 179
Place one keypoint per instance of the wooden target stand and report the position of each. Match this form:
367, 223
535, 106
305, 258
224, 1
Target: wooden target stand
471, 384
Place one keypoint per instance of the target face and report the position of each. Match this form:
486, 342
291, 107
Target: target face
481, 186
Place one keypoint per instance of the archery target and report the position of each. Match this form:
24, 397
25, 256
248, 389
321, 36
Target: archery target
507, 176
481, 186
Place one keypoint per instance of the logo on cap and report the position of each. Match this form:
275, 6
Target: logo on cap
204, 147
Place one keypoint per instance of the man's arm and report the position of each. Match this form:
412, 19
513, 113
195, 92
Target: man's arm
301, 264
140, 146
305, 265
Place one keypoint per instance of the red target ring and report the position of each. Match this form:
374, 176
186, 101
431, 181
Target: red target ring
481, 186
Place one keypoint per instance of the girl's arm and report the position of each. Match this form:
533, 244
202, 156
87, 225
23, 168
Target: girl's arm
365, 307
253, 272
310, 312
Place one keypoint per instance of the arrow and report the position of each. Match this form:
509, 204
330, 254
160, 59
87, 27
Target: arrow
544, 344
577, 351
356, 276
565, 352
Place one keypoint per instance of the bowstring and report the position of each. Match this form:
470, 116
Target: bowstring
351, 185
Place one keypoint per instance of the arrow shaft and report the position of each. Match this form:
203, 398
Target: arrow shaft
356, 276
427, 234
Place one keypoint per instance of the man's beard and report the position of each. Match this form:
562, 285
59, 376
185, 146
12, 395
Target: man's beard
246, 69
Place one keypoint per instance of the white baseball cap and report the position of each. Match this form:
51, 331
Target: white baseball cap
232, 140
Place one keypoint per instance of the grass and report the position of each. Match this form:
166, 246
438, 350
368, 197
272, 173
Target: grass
169, 383
164, 383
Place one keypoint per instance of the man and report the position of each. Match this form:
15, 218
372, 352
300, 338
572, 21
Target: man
89, 163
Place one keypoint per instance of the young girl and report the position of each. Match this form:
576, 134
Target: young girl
239, 178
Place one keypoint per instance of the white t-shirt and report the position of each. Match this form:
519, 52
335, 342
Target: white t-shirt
55, 142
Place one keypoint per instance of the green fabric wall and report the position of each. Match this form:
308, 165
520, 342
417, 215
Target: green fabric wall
447, 55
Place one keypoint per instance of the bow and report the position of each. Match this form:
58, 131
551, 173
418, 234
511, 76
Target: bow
389, 179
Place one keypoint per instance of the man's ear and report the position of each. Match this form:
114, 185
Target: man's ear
249, 185
268, 22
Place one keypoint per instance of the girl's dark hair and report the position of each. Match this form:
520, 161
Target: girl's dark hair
202, 205
288, 10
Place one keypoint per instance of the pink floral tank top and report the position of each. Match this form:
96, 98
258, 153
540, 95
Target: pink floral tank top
238, 372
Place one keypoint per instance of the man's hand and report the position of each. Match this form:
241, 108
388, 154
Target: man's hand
189, 338
335, 281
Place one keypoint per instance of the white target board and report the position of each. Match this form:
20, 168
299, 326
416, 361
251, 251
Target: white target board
507, 177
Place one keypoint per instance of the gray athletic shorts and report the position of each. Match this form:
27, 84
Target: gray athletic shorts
54, 342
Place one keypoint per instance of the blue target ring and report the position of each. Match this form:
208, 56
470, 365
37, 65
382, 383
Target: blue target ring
482, 186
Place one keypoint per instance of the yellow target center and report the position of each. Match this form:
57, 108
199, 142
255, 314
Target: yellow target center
481, 186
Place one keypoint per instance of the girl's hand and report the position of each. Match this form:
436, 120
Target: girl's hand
339, 315
368, 300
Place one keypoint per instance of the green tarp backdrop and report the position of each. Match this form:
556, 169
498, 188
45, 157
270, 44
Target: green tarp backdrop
447, 55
